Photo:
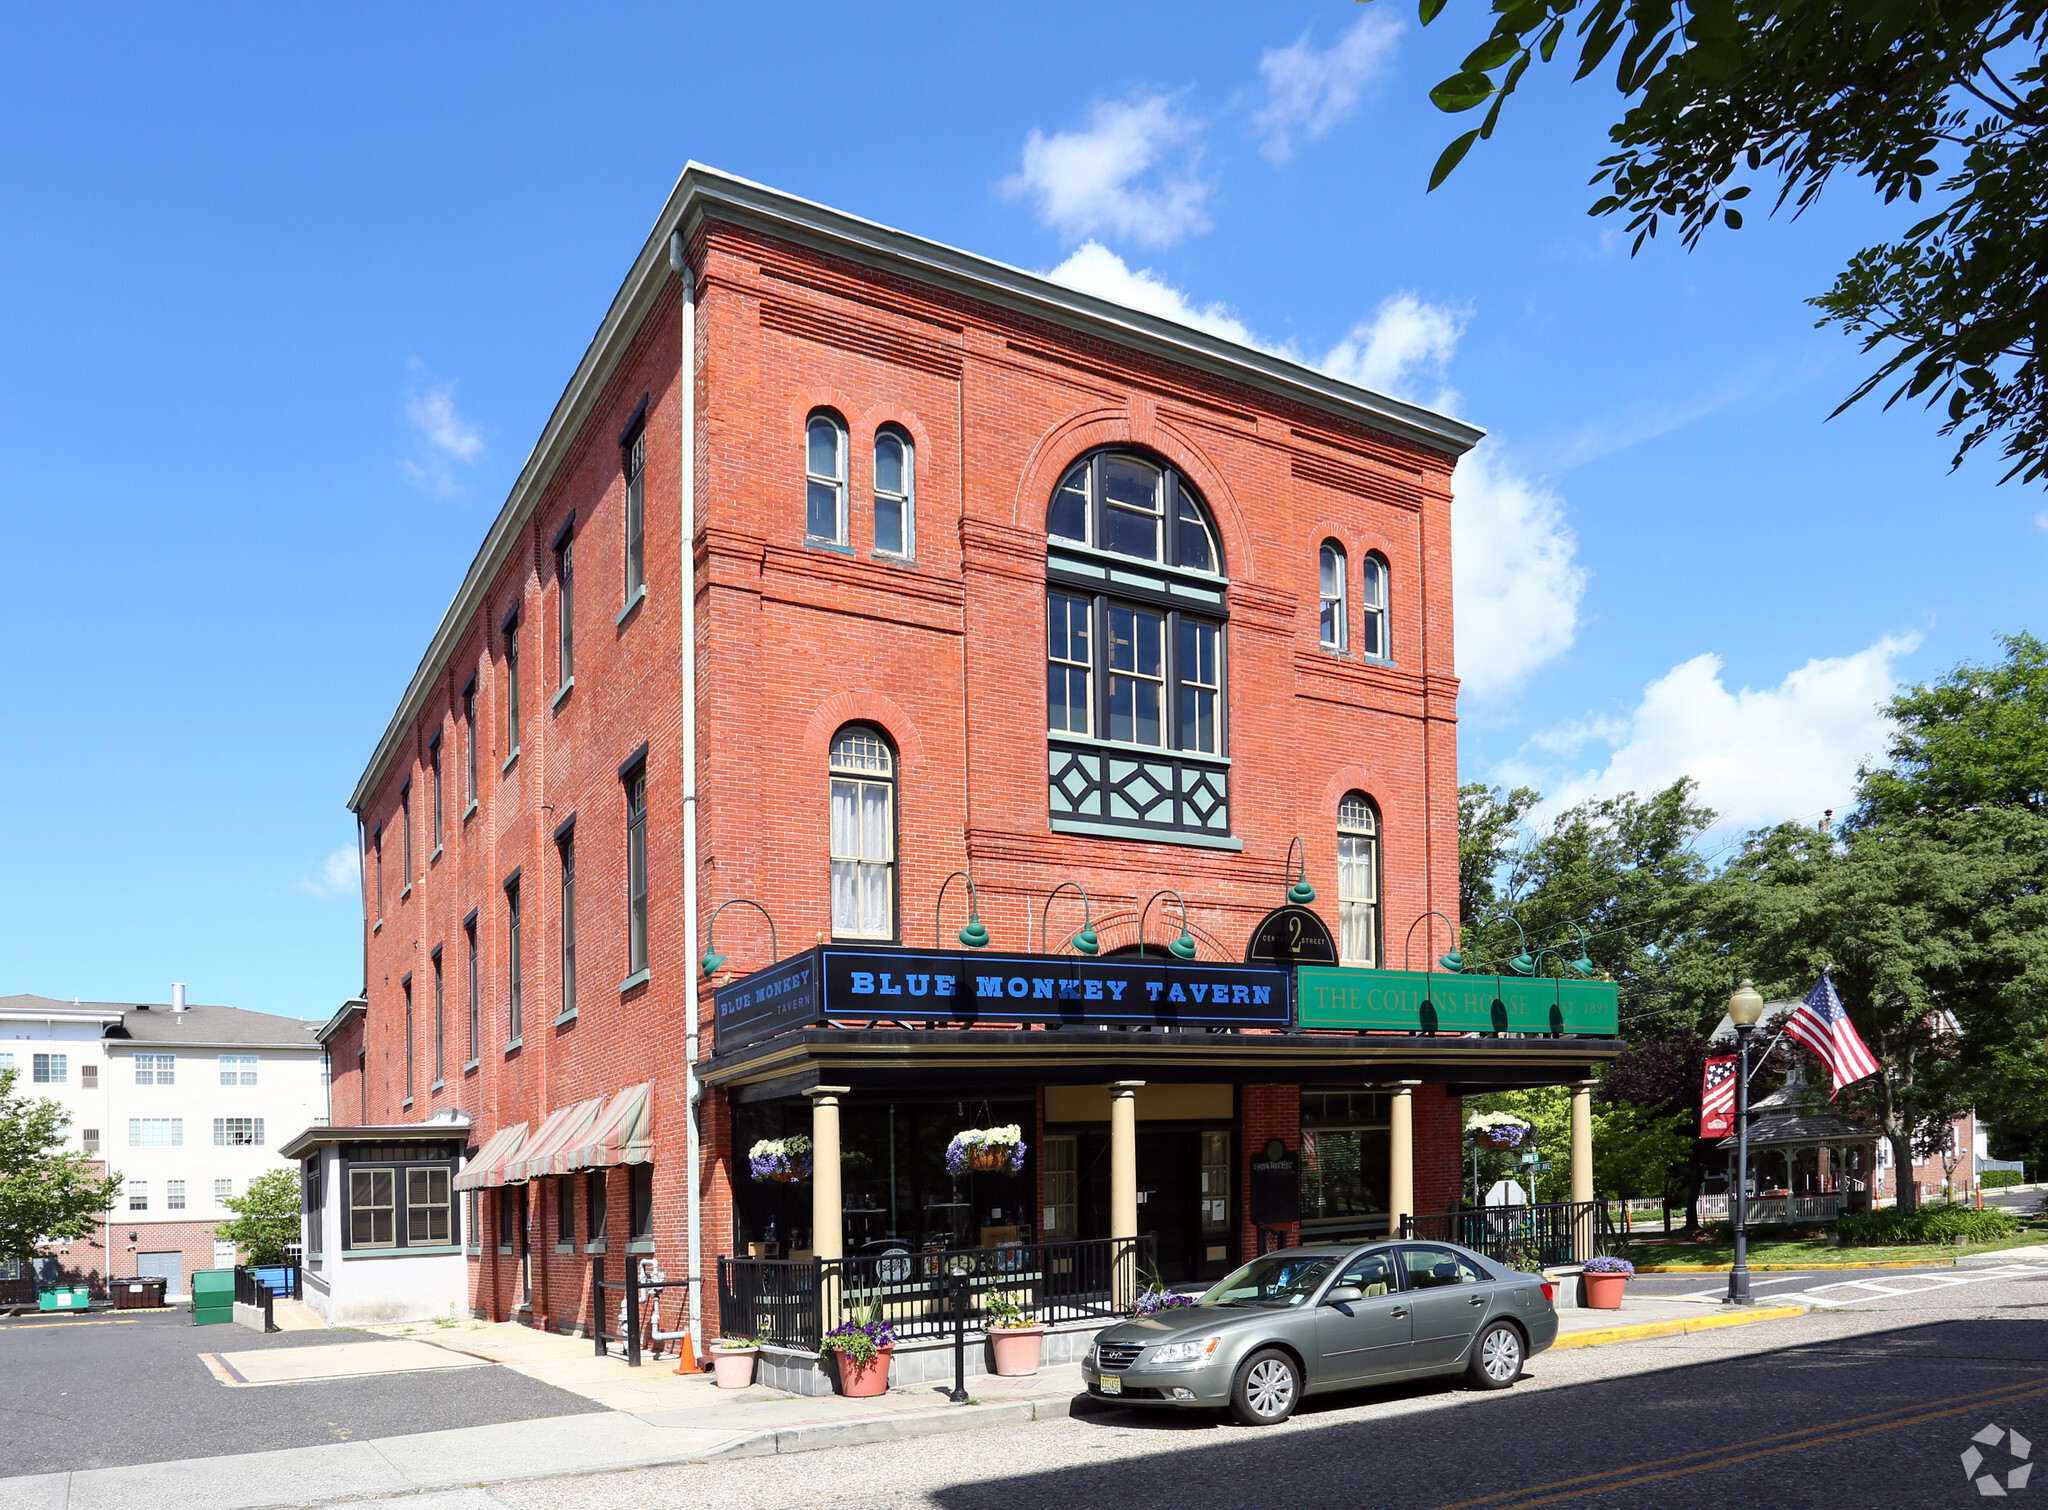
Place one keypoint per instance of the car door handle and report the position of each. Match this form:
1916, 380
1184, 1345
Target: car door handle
1476, 1300
1398, 1311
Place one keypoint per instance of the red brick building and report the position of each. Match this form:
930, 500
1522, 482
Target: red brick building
847, 562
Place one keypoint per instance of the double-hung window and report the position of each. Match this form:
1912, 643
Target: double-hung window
440, 1019
565, 610
476, 986
51, 1069
565, 850
405, 822
156, 1069
1136, 655
1330, 596
635, 462
373, 1208
514, 1006
174, 1195
895, 494
235, 1069
1358, 881
469, 743
406, 986
138, 1195
863, 835
825, 479
636, 870
1372, 603
434, 769
511, 687
429, 1208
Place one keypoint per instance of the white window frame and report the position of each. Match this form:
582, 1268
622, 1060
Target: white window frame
238, 1069
1332, 573
1374, 598
862, 765
171, 1130
50, 1069
222, 1189
224, 1127
835, 481
156, 1069
1358, 881
138, 1195
905, 499
174, 1195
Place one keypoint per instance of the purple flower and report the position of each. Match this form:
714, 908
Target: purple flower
1154, 1301
1606, 1264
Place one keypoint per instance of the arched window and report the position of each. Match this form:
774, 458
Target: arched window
1358, 881
1330, 564
1135, 657
825, 478
863, 776
1372, 603
895, 494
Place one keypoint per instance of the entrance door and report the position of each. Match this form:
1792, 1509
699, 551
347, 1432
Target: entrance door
1177, 1173
170, 1266
525, 1241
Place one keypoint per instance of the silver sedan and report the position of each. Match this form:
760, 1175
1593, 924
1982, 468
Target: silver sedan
1306, 1320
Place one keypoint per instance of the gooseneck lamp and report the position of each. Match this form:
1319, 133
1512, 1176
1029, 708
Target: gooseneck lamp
1300, 893
713, 960
974, 935
1084, 942
1454, 961
1182, 947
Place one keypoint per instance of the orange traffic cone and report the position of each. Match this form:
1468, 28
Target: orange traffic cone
686, 1357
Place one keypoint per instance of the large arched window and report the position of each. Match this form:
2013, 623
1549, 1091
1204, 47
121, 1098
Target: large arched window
1358, 881
895, 493
1372, 603
1135, 655
825, 478
863, 778
1330, 588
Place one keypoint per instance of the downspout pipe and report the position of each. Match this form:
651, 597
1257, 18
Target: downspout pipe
687, 521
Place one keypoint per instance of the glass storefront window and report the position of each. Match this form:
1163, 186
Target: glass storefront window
1343, 1172
1062, 1189
1215, 1181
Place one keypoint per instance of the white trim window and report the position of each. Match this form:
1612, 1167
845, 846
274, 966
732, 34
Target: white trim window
825, 478
138, 1195
1330, 590
1358, 881
863, 781
373, 1208
238, 1069
156, 1069
51, 1069
895, 494
1372, 603
237, 1132
222, 1189
174, 1195
156, 1132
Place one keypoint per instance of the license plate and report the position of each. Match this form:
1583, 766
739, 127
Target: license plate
1112, 1386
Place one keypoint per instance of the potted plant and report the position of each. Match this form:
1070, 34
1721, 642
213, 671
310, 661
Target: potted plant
732, 1361
1017, 1341
1502, 1132
784, 1160
986, 1150
1606, 1277
862, 1348
1155, 1297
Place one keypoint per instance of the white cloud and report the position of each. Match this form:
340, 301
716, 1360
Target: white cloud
338, 875
2041, 521
1095, 269
1308, 93
441, 436
1405, 336
1760, 755
1516, 584
1095, 180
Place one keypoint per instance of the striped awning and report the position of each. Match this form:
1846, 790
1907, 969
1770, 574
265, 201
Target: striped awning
487, 1168
622, 1134
543, 1151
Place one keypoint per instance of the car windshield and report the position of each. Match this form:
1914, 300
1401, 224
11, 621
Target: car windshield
1279, 1279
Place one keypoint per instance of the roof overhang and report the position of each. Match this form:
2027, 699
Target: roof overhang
899, 1059
352, 1011
703, 193
402, 1132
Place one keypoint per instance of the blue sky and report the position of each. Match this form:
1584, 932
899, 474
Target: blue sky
288, 295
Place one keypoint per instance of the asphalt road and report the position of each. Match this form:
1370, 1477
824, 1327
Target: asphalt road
1866, 1408
109, 1389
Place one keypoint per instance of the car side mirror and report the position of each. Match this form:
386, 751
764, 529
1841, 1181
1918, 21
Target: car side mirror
1344, 1295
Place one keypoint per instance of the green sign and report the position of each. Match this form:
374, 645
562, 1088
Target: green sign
1429, 1001
1531, 1158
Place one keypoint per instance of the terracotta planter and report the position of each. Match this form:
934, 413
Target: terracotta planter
1017, 1349
1603, 1291
989, 1158
859, 1381
733, 1367
1499, 1142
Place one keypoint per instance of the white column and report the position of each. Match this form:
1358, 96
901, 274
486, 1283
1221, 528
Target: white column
1582, 1141
1400, 1155
827, 1220
1123, 1182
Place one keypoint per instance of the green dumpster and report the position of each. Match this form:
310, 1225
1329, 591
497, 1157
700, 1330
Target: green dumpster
63, 1298
213, 1296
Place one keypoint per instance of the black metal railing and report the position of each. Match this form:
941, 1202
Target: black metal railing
252, 1291
636, 1319
1558, 1232
794, 1302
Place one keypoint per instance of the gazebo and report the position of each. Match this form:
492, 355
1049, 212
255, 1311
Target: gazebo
1808, 1164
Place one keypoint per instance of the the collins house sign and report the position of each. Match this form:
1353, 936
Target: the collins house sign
833, 984
1418, 1001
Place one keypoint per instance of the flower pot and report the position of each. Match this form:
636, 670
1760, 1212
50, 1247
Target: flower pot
1497, 1139
1603, 1291
733, 1367
859, 1381
1017, 1349
989, 1158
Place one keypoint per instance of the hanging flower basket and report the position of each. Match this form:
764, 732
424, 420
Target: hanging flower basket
1500, 1131
987, 1150
784, 1160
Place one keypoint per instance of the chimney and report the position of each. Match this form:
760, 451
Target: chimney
177, 996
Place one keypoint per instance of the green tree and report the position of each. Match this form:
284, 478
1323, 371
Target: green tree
1978, 737
49, 1195
1489, 833
1638, 1152
266, 1216
1940, 104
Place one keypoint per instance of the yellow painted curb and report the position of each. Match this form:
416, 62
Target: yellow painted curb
1884, 1263
1644, 1329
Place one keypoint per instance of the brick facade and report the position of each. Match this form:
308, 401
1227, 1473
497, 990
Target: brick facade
945, 654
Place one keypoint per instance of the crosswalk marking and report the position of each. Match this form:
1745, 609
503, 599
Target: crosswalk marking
1893, 1287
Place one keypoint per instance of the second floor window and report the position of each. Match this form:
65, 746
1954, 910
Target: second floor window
636, 870
1358, 881
236, 1069
636, 513
237, 1132
1372, 603
565, 847
174, 1195
863, 835
138, 1195
512, 982
156, 1069
565, 612
51, 1069
1330, 589
825, 479
156, 1132
895, 492
512, 686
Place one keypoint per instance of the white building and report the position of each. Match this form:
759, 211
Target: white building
187, 1104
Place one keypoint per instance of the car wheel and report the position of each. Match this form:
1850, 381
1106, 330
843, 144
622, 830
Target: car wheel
1496, 1358
1267, 1389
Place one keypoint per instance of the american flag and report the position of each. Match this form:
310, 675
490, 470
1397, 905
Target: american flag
1822, 1025
1717, 1099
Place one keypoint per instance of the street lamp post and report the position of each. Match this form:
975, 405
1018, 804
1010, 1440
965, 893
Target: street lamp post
1744, 1008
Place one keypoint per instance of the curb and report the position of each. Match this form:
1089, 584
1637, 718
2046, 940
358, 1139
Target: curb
808, 1438
1888, 1263
1672, 1328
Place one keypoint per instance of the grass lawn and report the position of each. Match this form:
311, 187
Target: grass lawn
1654, 1251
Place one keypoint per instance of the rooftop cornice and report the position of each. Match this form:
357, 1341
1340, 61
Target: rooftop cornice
703, 193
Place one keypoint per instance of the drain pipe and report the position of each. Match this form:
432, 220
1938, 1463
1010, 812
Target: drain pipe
687, 511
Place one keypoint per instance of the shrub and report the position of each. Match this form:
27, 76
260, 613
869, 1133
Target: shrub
1929, 1224
1995, 1179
